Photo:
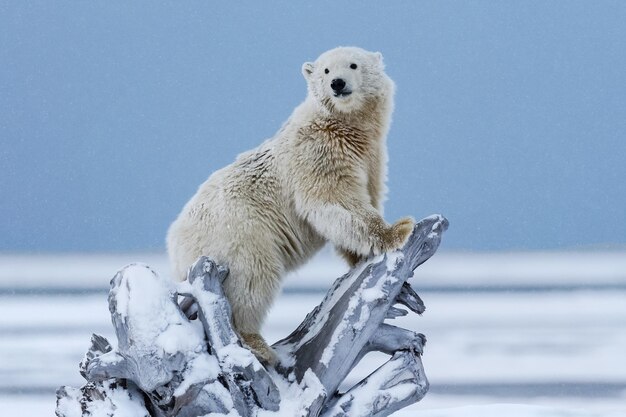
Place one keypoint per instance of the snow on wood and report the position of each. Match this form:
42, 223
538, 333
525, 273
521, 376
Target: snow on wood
178, 354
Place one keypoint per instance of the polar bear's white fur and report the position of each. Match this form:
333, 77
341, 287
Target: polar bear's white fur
320, 178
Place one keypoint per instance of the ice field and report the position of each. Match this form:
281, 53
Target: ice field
523, 334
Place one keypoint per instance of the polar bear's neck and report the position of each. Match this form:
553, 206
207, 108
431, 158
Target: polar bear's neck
373, 117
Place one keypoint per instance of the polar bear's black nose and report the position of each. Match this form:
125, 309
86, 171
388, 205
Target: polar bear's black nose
337, 84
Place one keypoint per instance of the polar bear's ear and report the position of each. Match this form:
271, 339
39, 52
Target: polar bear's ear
307, 69
378, 58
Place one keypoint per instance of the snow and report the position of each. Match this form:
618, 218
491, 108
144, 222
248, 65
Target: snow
70, 271
229, 352
553, 349
234, 355
200, 368
388, 385
352, 304
365, 293
323, 313
393, 259
151, 316
296, 395
508, 410
126, 403
29, 406
89, 272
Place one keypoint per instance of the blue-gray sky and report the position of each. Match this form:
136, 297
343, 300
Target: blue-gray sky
510, 116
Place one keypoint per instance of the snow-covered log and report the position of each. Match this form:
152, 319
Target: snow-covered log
178, 355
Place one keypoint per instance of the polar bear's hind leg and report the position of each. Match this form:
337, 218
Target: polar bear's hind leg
250, 296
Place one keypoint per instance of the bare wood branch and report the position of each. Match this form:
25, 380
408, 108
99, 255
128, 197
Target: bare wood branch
397, 383
162, 357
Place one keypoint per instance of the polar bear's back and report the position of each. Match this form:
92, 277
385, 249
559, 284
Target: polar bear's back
242, 218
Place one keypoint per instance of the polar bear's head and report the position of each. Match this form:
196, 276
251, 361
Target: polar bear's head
345, 79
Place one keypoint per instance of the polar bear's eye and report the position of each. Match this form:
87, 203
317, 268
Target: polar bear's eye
326, 71
353, 66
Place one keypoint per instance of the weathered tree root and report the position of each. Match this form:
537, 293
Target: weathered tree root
178, 354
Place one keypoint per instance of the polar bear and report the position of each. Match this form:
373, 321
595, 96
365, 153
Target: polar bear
320, 179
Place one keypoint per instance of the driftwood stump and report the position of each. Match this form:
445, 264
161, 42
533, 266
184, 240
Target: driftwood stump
178, 355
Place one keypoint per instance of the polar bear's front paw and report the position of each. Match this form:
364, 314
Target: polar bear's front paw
398, 234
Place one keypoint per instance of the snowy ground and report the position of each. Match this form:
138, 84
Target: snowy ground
544, 333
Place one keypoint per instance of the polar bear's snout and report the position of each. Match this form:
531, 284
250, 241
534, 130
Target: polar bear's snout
338, 86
